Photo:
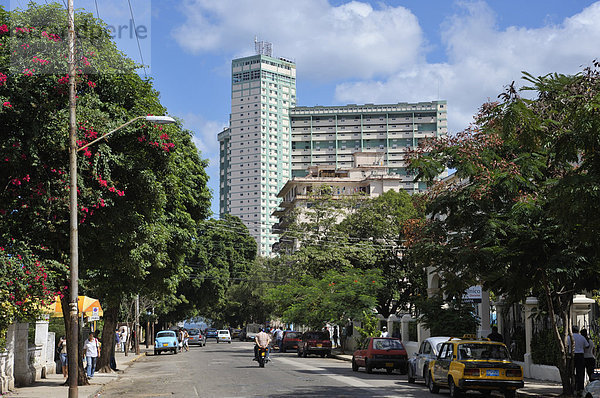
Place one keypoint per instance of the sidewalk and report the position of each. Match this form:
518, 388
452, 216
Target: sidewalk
533, 388
52, 386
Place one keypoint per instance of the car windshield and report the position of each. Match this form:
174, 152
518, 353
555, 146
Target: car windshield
165, 334
482, 351
193, 332
292, 335
387, 344
223, 331
317, 335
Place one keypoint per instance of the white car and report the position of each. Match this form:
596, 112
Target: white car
223, 336
418, 364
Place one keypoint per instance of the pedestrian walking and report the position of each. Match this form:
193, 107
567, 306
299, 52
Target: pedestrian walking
92, 350
580, 344
62, 353
495, 336
186, 337
124, 334
335, 337
279, 337
589, 356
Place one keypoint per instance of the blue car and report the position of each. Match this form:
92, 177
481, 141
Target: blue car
210, 332
166, 340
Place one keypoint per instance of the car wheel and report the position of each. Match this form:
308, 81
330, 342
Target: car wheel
513, 394
299, 353
389, 370
368, 366
354, 365
433, 388
455, 392
305, 353
229, 342
322, 354
411, 377
155, 352
175, 351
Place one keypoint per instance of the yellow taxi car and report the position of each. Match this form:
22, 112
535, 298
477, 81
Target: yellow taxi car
474, 364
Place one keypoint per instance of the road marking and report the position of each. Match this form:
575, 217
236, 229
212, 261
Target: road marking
196, 391
351, 381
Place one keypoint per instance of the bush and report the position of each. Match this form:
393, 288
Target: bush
544, 349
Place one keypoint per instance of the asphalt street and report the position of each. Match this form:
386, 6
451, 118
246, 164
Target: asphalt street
227, 370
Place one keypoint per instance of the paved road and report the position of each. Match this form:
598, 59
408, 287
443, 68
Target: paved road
227, 370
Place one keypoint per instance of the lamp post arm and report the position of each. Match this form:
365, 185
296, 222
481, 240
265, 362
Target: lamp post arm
110, 132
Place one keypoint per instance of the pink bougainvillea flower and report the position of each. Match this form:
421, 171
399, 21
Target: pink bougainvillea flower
7, 104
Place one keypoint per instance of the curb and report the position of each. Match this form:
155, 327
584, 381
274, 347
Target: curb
341, 358
98, 392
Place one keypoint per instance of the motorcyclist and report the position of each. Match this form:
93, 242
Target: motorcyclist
261, 340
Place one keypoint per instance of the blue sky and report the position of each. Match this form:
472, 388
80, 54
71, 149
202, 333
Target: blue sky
350, 51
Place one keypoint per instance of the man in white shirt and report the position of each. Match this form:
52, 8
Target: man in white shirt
92, 350
580, 344
384, 332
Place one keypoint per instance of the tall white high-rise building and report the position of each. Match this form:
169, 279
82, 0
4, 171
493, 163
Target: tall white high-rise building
255, 151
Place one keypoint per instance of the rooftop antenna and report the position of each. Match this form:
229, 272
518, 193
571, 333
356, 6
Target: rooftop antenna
263, 47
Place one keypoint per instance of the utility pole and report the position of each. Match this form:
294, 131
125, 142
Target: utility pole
137, 324
73, 341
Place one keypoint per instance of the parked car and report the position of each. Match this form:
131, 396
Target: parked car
166, 340
235, 333
223, 336
211, 333
196, 337
474, 364
381, 352
291, 340
418, 364
314, 342
250, 331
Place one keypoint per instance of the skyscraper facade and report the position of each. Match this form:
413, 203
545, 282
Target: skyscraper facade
329, 135
255, 150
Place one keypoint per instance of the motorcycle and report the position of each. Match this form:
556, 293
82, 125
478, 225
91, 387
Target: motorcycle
262, 356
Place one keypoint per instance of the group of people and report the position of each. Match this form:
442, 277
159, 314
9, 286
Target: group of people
584, 357
183, 337
91, 352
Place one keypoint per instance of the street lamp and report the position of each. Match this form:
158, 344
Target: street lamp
73, 340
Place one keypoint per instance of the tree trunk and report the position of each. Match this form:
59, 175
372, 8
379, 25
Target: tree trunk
82, 379
565, 367
111, 313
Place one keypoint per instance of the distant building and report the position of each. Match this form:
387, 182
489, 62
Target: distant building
329, 135
269, 140
367, 178
255, 158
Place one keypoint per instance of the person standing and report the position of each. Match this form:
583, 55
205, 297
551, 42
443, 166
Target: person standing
279, 337
384, 332
589, 357
335, 336
92, 349
580, 344
495, 336
62, 352
186, 337
124, 334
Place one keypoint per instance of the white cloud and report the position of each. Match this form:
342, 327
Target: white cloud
353, 40
205, 139
482, 60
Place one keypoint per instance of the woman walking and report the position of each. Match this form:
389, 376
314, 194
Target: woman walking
589, 355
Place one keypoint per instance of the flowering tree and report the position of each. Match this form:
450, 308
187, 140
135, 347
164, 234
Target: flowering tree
140, 194
518, 215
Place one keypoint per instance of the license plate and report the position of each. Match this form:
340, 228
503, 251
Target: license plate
165, 344
389, 365
319, 345
295, 346
492, 372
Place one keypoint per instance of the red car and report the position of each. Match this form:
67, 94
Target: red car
291, 340
314, 343
381, 352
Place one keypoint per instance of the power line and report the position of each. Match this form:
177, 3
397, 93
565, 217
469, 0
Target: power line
137, 38
97, 12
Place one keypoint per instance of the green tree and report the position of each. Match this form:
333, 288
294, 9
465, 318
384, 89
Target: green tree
510, 218
141, 193
334, 297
